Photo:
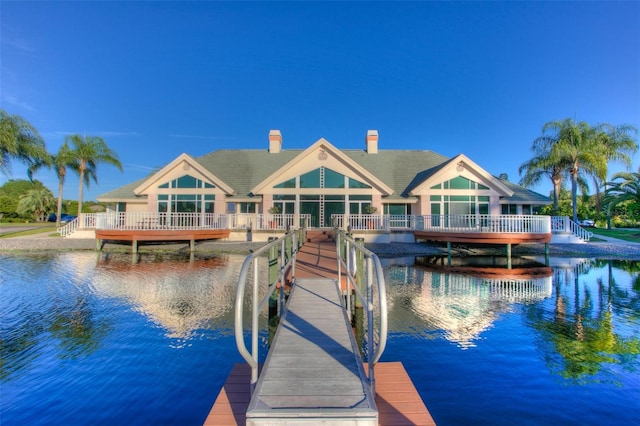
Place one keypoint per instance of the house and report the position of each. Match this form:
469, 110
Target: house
323, 184
323, 180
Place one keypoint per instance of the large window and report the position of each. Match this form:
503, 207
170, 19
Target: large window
187, 182
195, 201
186, 203
334, 199
509, 209
460, 182
286, 204
323, 178
358, 204
458, 205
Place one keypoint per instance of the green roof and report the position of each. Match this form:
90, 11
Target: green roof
401, 170
124, 193
523, 195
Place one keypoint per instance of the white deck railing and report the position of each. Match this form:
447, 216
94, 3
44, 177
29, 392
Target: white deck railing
134, 221
560, 224
255, 221
446, 223
504, 224
157, 221
283, 222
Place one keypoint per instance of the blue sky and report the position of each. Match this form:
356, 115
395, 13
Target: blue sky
156, 79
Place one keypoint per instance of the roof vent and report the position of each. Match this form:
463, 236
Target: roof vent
275, 141
372, 141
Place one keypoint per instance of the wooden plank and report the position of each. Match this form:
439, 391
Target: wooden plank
397, 399
231, 404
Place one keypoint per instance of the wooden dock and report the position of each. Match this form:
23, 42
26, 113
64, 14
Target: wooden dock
397, 399
313, 372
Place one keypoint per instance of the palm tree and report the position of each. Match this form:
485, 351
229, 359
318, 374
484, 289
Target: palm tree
88, 152
619, 144
37, 201
64, 159
577, 147
627, 190
542, 165
20, 140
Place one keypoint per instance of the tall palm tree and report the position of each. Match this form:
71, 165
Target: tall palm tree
64, 159
577, 148
89, 151
543, 165
21, 141
619, 144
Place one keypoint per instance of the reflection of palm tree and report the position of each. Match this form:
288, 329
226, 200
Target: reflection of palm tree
76, 328
581, 344
16, 351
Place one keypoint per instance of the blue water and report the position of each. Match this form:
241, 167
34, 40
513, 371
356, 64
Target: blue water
99, 339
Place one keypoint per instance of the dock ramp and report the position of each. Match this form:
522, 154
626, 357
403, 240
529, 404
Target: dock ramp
313, 373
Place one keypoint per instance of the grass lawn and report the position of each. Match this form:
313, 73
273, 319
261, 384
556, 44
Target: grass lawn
34, 228
632, 235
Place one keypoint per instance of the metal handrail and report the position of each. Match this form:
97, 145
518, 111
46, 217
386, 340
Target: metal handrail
348, 261
287, 260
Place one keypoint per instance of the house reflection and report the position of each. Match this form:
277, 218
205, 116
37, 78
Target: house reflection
461, 304
180, 296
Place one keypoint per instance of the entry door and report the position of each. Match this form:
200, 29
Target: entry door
311, 208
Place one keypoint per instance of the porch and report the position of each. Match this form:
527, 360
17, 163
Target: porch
473, 228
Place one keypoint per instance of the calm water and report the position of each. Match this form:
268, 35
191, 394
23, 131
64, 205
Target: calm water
97, 339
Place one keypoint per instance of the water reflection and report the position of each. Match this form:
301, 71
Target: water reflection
461, 305
593, 321
178, 295
96, 328
584, 312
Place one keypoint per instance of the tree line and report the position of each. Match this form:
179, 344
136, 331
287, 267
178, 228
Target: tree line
581, 153
566, 150
20, 141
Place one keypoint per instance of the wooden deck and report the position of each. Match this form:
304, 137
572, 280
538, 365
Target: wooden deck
483, 237
161, 234
158, 236
312, 336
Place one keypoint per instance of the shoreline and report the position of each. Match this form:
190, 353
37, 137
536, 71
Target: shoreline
617, 249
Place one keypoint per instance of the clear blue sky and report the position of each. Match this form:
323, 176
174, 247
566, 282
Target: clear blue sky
156, 79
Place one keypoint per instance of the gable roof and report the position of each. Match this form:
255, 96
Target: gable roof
401, 171
424, 178
336, 153
188, 160
124, 193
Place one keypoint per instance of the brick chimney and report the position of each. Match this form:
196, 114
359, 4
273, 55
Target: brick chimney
275, 141
372, 141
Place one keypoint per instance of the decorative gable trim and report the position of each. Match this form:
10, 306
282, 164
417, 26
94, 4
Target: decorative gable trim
188, 164
324, 150
464, 166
